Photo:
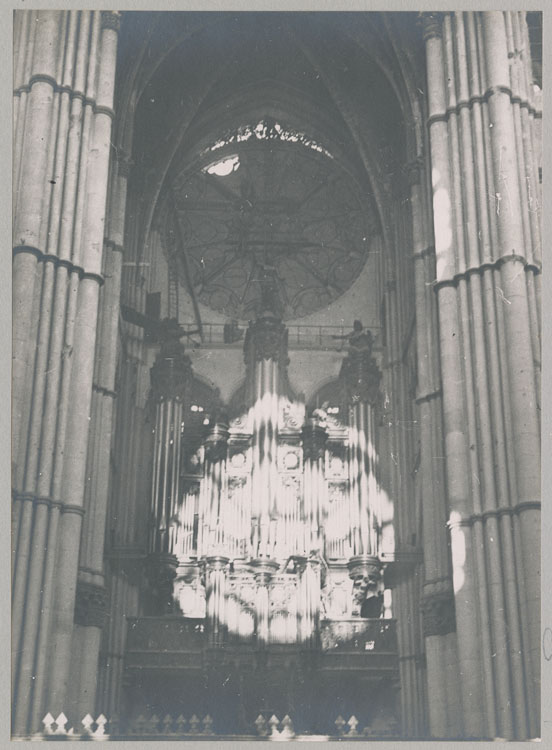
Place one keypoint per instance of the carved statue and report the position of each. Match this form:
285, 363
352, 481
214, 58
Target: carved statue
171, 371
169, 334
359, 371
367, 599
321, 414
360, 339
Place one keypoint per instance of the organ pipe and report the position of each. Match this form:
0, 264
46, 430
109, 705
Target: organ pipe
170, 378
265, 352
216, 581
218, 533
264, 571
314, 492
361, 377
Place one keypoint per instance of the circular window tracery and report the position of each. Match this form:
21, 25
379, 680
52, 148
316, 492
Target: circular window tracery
270, 220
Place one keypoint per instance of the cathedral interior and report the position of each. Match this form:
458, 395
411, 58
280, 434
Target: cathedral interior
276, 396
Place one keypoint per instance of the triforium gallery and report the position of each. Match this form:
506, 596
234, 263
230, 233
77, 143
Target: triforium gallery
276, 397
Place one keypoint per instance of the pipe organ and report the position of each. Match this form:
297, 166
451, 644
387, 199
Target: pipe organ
268, 520
170, 378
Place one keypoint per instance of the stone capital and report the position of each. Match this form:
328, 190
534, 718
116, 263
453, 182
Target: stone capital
431, 23
438, 613
111, 19
91, 605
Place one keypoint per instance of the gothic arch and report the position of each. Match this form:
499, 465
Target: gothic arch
351, 116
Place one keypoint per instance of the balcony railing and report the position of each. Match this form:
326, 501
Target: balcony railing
299, 336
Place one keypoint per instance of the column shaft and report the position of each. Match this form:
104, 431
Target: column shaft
486, 242
265, 353
55, 329
91, 566
441, 654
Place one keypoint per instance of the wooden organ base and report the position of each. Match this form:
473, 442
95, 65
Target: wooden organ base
171, 669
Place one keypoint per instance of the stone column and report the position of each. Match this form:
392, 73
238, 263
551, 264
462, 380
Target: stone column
519, 263
64, 114
439, 624
132, 446
265, 353
91, 611
397, 452
87, 635
127, 569
485, 271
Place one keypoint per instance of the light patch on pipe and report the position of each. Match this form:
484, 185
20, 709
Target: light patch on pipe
458, 549
443, 229
387, 604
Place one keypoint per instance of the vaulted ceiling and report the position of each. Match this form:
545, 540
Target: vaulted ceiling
341, 80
